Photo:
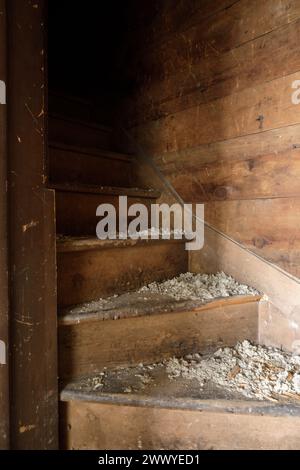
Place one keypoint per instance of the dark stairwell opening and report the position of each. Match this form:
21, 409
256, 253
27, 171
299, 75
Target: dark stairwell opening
87, 56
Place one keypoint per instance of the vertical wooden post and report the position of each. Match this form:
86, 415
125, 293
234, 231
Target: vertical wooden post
4, 320
32, 237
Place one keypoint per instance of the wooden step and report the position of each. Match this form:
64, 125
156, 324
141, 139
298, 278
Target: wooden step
128, 412
72, 106
75, 132
139, 327
74, 164
89, 268
76, 205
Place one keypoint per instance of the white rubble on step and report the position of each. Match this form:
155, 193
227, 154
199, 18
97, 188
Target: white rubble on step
190, 286
255, 371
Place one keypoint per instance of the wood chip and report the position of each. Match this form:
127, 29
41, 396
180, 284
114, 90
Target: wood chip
234, 372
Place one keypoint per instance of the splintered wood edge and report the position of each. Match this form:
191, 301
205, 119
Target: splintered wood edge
74, 319
71, 244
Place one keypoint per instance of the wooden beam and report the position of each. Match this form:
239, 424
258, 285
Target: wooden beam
32, 237
4, 319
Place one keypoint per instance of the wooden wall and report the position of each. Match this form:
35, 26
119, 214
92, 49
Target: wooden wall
211, 103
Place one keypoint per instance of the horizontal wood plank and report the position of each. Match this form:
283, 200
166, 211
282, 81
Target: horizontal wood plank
209, 37
87, 346
233, 116
268, 176
91, 274
99, 426
76, 211
218, 75
91, 166
251, 222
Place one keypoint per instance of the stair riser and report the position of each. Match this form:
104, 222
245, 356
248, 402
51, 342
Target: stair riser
77, 133
108, 427
71, 166
71, 107
76, 212
90, 274
86, 347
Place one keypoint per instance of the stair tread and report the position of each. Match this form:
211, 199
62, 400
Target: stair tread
91, 124
70, 244
154, 388
137, 304
91, 151
111, 190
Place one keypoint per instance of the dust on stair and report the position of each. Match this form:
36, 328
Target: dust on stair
245, 370
190, 286
186, 286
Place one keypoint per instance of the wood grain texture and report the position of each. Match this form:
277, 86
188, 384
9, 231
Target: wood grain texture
100, 426
211, 105
265, 176
216, 71
4, 293
277, 329
220, 31
233, 116
33, 328
283, 291
75, 132
251, 222
157, 21
76, 164
76, 211
257, 165
90, 344
100, 272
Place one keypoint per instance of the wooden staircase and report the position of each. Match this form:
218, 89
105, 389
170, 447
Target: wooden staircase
135, 328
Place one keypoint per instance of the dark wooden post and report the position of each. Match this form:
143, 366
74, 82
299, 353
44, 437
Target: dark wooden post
33, 321
4, 319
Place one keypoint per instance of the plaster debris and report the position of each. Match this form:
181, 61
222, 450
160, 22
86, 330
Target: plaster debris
245, 370
256, 371
95, 383
189, 286
87, 307
154, 233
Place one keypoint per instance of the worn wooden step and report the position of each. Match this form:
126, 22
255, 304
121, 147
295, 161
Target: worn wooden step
75, 132
138, 327
89, 268
129, 412
76, 205
74, 164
